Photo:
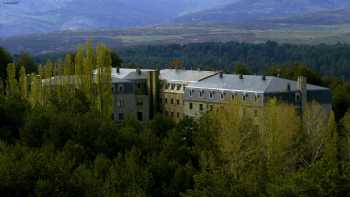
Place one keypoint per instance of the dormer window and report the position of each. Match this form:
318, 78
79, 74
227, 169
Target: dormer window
173, 86
211, 95
201, 93
190, 93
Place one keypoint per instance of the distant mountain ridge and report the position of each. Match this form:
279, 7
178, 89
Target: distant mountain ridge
42, 16
264, 11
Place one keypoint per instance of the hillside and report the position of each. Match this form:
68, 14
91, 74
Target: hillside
333, 17
262, 12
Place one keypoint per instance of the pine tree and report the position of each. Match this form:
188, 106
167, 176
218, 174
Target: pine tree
23, 82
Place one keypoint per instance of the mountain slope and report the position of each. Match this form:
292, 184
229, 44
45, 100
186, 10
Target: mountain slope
259, 11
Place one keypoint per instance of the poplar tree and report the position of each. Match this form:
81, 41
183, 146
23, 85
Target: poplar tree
11, 84
23, 82
2, 87
104, 80
36, 90
239, 144
79, 66
279, 127
88, 70
68, 68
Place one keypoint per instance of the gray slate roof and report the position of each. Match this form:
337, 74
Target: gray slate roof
126, 74
177, 75
250, 83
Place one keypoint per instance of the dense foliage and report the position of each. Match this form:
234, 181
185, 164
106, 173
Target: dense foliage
59, 140
333, 60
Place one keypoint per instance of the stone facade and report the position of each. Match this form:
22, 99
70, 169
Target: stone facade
135, 94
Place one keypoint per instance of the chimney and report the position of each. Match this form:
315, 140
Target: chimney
240, 76
302, 88
138, 70
264, 78
118, 70
221, 74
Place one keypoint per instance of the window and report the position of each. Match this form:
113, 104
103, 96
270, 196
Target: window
191, 91
120, 116
138, 85
178, 115
139, 116
244, 97
172, 114
166, 100
191, 105
178, 102
297, 97
139, 102
201, 93
120, 88
201, 107
172, 86
178, 87
120, 103
172, 101
211, 95
211, 107
257, 98
222, 95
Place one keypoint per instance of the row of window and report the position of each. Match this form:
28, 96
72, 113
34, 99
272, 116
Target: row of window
172, 101
120, 102
172, 86
120, 116
172, 114
201, 107
120, 88
222, 95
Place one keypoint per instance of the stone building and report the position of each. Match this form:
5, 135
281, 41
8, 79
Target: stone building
141, 93
173, 85
251, 91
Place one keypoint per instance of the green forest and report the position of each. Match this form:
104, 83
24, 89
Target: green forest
57, 138
328, 60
